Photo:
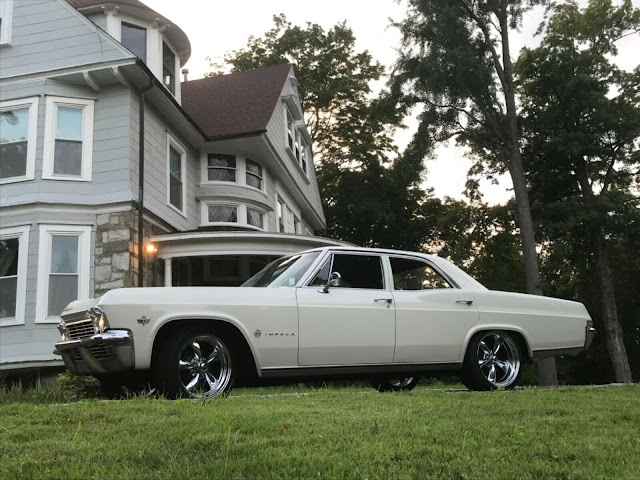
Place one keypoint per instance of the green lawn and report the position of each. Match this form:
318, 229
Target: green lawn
329, 433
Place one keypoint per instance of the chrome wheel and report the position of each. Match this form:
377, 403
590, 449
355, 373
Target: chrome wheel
204, 366
498, 359
399, 383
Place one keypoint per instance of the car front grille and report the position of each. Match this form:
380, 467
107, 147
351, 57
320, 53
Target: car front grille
100, 352
81, 329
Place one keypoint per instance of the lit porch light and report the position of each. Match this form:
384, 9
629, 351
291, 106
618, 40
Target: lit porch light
150, 248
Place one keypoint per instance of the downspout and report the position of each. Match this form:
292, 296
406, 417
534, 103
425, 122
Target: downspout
141, 181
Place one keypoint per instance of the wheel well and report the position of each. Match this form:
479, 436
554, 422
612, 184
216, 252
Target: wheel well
231, 333
517, 336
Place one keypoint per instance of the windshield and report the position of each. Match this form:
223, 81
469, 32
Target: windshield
284, 272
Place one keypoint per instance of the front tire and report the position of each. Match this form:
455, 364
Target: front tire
394, 384
195, 364
492, 361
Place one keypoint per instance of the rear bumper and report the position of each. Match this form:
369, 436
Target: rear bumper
102, 353
589, 334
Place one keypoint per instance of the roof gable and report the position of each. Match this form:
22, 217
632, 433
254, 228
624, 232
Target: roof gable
237, 104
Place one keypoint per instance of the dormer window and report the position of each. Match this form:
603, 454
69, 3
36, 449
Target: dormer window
168, 68
135, 39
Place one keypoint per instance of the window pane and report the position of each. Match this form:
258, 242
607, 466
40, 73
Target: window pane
322, 277
175, 192
253, 167
255, 218
13, 159
359, 271
223, 213
67, 159
411, 274
63, 289
221, 175
175, 160
69, 123
64, 254
219, 160
14, 125
9, 257
8, 292
254, 181
169, 67
135, 39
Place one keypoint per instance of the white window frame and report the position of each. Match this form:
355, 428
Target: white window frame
172, 142
280, 200
205, 170
44, 265
32, 131
6, 13
51, 118
263, 177
22, 233
241, 209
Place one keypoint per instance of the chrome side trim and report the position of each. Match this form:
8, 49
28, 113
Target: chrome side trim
358, 369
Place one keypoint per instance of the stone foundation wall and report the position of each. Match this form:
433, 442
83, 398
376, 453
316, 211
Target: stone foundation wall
116, 253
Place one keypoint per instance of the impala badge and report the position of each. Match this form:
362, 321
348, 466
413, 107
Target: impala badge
257, 333
143, 320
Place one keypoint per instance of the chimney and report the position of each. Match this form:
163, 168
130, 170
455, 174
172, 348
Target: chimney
185, 73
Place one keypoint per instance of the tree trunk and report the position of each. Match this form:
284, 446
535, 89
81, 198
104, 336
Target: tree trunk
547, 373
613, 330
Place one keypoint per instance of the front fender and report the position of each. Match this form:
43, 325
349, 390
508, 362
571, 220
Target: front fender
167, 318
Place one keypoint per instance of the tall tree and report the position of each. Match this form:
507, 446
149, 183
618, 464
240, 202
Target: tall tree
371, 194
455, 63
583, 134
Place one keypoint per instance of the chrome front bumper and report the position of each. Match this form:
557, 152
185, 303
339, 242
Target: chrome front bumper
108, 352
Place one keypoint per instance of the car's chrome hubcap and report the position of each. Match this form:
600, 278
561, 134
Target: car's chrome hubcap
498, 359
204, 367
401, 382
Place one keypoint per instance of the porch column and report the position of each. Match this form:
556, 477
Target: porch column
167, 273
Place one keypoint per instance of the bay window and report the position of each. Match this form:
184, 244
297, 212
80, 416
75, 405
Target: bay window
68, 141
221, 168
254, 174
18, 125
222, 213
168, 68
135, 39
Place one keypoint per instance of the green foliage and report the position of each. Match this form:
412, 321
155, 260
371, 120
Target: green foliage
371, 196
330, 433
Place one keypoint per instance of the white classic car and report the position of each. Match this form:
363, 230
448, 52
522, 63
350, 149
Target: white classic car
385, 314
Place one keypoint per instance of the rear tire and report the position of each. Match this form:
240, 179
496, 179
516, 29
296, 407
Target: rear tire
394, 384
492, 361
195, 364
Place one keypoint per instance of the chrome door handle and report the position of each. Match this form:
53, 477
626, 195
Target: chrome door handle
467, 302
388, 300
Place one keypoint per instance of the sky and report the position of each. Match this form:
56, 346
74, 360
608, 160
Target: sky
215, 28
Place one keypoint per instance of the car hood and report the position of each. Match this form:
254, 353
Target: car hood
78, 306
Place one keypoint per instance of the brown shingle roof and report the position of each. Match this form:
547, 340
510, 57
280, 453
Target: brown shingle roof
237, 104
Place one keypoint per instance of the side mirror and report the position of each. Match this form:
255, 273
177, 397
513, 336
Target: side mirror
334, 281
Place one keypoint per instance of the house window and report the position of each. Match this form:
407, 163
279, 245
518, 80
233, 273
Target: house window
254, 174
6, 15
291, 130
169, 68
303, 155
222, 213
135, 39
280, 209
221, 168
63, 275
255, 217
14, 243
176, 173
68, 140
297, 149
296, 225
18, 125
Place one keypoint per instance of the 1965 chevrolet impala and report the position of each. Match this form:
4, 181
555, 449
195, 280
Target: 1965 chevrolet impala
385, 314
